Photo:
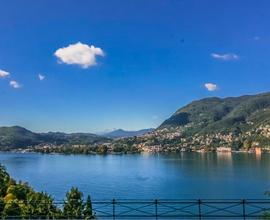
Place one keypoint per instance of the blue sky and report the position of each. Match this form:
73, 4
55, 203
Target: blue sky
152, 57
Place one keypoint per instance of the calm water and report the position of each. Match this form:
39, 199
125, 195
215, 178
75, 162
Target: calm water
187, 175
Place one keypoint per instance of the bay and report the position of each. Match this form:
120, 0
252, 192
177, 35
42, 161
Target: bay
145, 176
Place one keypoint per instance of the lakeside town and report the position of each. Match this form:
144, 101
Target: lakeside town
168, 141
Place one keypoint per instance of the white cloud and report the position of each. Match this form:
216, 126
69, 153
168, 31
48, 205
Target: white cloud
225, 57
4, 73
41, 77
211, 86
79, 54
14, 84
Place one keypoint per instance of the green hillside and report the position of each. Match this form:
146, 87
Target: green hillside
19, 137
212, 115
237, 122
240, 123
12, 137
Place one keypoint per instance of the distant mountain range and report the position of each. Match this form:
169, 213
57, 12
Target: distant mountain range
19, 137
120, 133
237, 122
210, 122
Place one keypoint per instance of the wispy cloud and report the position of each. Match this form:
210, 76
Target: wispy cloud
4, 73
154, 117
211, 86
41, 77
14, 84
225, 57
256, 38
79, 54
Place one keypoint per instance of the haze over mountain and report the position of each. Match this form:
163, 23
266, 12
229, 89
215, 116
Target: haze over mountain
120, 133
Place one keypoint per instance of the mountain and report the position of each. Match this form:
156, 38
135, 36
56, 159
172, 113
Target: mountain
237, 122
12, 137
19, 137
120, 133
213, 115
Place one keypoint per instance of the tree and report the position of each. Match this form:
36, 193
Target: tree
19, 190
247, 143
12, 209
4, 179
40, 205
73, 205
2, 206
88, 212
236, 145
19, 200
102, 149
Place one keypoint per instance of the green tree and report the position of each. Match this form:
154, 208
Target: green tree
40, 205
19, 200
247, 143
236, 145
2, 206
88, 211
4, 179
102, 149
73, 205
12, 209
19, 190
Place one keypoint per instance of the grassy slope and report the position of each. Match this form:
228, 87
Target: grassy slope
220, 115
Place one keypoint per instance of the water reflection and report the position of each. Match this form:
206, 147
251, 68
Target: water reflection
183, 175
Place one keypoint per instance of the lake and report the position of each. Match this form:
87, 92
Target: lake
145, 176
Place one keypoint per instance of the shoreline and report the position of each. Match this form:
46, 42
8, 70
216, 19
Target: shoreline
137, 153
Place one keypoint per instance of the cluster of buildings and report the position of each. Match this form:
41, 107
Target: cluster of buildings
172, 140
